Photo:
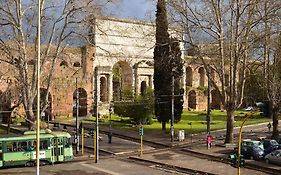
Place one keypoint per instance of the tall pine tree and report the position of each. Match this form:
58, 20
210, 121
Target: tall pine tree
167, 57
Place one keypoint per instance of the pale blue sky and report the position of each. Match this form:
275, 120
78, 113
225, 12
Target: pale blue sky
136, 9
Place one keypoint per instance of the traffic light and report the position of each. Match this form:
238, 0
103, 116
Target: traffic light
233, 158
141, 131
242, 161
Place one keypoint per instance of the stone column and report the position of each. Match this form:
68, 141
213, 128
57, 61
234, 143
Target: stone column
110, 87
183, 80
136, 81
150, 81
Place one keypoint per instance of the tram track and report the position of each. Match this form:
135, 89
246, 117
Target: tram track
179, 149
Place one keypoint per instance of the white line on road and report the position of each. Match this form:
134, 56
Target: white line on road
99, 169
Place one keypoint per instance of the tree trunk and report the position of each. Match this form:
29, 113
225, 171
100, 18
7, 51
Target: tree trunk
163, 127
275, 131
229, 127
30, 118
9, 122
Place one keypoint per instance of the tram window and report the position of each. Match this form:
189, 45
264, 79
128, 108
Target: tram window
1, 151
59, 141
10, 147
67, 142
43, 144
22, 146
31, 145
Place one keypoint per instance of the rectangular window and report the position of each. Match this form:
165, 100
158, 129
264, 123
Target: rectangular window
1, 152
22, 146
44, 144
10, 147
67, 142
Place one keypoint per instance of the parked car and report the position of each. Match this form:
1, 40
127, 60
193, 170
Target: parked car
252, 152
270, 145
249, 142
274, 157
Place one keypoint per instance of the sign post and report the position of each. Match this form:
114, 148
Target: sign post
82, 141
141, 142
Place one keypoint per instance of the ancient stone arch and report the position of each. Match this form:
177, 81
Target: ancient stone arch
215, 99
192, 99
201, 72
63, 63
122, 80
143, 87
81, 95
189, 76
103, 89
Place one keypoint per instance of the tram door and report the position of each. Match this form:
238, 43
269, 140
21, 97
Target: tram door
57, 150
1, 155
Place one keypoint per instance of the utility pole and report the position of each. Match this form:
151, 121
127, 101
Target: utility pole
97, 115
77, 114
208, 118
38, 89
172, 103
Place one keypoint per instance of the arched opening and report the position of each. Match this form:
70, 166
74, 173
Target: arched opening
81, 95
31, 62
201, 72
64, 63
103, 90
122, 81
189, 76
192, 99
143, 87
216, 100
76, 64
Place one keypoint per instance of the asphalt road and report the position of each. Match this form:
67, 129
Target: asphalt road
110, 166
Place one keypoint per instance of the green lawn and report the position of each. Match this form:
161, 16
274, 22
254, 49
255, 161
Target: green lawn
198, 120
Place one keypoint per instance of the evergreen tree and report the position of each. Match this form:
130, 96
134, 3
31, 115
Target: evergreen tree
167, 61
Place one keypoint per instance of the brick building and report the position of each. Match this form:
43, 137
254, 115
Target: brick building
121, 59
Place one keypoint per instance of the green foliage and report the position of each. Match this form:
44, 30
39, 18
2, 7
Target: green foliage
139, 111
203, 89
127, 93
167, 64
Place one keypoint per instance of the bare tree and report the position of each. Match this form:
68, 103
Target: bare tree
62, 25
228, 27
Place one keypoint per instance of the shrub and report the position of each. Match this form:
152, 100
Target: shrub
139, 111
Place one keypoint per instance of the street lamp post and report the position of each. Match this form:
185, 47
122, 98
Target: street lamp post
38, 88
77, 114
208, 118
97, 115
172, 105
110, 133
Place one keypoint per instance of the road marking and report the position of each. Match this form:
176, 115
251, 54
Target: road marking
99, 169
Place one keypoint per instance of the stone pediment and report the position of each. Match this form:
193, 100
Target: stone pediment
144, 64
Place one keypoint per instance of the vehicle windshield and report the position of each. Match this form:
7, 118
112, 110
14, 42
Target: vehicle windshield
257, 148
274, 142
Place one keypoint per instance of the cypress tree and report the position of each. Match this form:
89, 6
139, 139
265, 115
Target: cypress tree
167, 55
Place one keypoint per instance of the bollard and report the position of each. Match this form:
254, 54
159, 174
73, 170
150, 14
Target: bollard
109, 135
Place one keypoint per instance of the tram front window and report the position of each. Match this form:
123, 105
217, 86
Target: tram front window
1, 151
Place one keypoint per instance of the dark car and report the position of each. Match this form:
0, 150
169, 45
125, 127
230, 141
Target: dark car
270, 145
252, 152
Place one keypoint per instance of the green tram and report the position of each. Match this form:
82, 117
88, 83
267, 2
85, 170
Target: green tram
15, 150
